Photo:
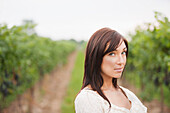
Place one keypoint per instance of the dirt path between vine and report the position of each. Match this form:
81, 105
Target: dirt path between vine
48, 95
55, 87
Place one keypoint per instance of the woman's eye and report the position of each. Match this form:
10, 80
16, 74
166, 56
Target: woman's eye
112, 54
124, 52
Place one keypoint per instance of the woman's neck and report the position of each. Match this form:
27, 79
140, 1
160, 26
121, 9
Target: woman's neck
108, 85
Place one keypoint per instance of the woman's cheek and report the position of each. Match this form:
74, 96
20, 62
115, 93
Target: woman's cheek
124, 60
109, 61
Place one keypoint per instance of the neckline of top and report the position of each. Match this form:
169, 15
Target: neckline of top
118, 107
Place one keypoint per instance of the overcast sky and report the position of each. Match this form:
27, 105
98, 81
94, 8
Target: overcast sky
79, 19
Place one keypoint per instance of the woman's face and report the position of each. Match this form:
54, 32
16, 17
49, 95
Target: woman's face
114, 62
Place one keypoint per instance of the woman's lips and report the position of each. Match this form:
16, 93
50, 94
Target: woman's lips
118, 69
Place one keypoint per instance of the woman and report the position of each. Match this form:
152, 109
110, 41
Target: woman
106, 55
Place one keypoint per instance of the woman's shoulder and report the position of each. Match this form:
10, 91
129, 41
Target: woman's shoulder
86, 94
87, 101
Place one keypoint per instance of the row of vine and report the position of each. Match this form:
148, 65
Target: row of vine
149, 59
25, 57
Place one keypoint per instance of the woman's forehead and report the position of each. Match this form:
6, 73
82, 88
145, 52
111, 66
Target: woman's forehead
121, 46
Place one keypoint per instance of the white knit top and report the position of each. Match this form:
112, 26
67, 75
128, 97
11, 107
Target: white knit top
89, 101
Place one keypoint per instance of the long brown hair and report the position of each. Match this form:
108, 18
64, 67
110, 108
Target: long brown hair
95, 52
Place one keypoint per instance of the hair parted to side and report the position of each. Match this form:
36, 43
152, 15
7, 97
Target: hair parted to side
95, 51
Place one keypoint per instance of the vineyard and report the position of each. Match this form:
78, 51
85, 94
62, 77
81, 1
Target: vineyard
25, 57
148, 65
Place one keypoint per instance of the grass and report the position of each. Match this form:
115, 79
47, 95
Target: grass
74, 85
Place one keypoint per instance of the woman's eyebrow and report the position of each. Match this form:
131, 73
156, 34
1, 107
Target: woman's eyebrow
123, 49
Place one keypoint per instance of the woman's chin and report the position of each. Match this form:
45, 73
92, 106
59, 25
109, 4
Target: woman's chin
117, 75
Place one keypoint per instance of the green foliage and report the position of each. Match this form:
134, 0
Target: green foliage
25, 57
149, 56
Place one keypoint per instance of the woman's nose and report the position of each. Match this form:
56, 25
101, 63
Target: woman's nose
120, 59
